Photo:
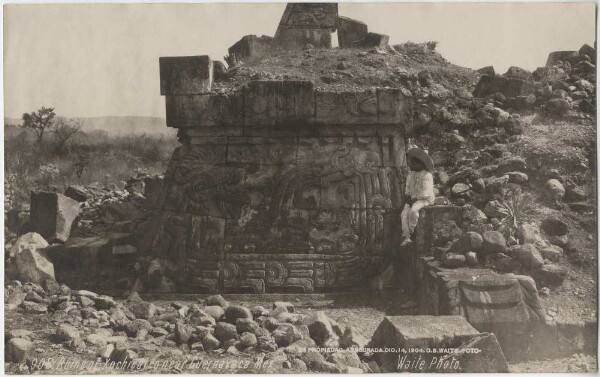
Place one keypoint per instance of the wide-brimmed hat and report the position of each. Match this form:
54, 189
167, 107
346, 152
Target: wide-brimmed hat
421, 155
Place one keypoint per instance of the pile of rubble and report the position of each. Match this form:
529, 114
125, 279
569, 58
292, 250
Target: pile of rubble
116, 330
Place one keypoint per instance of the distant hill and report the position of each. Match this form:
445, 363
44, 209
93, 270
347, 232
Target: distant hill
118, 125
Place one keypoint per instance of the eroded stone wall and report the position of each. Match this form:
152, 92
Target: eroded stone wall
279, 187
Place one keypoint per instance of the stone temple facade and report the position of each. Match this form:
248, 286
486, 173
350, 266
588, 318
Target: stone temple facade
278, 186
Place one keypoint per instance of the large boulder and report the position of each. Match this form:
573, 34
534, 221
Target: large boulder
320, 327
29, 240
286, 334
518, 73
17, 349
493, 242
52, 215
225, 331
550, 275
66, 332
234, 312
554, 189
529, 256
33, 266
554, 227
216, 300
141, 308
508, 86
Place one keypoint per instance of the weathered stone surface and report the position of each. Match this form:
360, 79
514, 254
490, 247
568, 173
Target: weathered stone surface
215, 311
320, 327
52, 215
550, 275
529, 256
493, 242
30, 240
17, 350
553, 253
418, 331
66, 332
571, 337
214, 110
268, 103
350, 31
453, 260
469, 241
556, 56
234, 312
225, 331
510, 87
185, 75
140, 308
33, 266
76, 193
504, 304
307, 23
351, 338
373, 40
490, 358
251, 46
286, 334
346, 107
488, 70
216, 300
554, 227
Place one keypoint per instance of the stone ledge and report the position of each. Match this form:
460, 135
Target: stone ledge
288, 104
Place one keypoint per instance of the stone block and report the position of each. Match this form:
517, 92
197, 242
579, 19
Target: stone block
420, 331
543, 341
350, 31
394, 106
183, 75
591, 337
307, 23
80, 252
269, 103
510, 87
556, 56
504, 304
190, 111
429, 218
346, 107
52, 215
571, 337
251, 46
490, 359
373, 40
33, 266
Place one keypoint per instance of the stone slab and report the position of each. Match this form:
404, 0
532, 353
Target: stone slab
420, 332
490, 359
394, 106
350, 31
210, 110
346, 107
510, 87
269, 103
251, 46
183, 75
52, 215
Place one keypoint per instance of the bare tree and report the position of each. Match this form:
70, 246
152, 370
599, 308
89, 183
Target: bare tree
39, 121
64, 129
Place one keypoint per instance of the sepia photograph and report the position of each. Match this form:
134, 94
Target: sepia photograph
294, 188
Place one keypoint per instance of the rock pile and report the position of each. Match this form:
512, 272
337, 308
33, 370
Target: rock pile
114, 330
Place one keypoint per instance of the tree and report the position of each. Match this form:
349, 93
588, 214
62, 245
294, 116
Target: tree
64, 129
39, 121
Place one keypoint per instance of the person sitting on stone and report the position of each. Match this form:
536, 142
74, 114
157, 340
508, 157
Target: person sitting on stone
419, 190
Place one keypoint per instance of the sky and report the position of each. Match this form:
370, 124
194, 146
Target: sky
102, 59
